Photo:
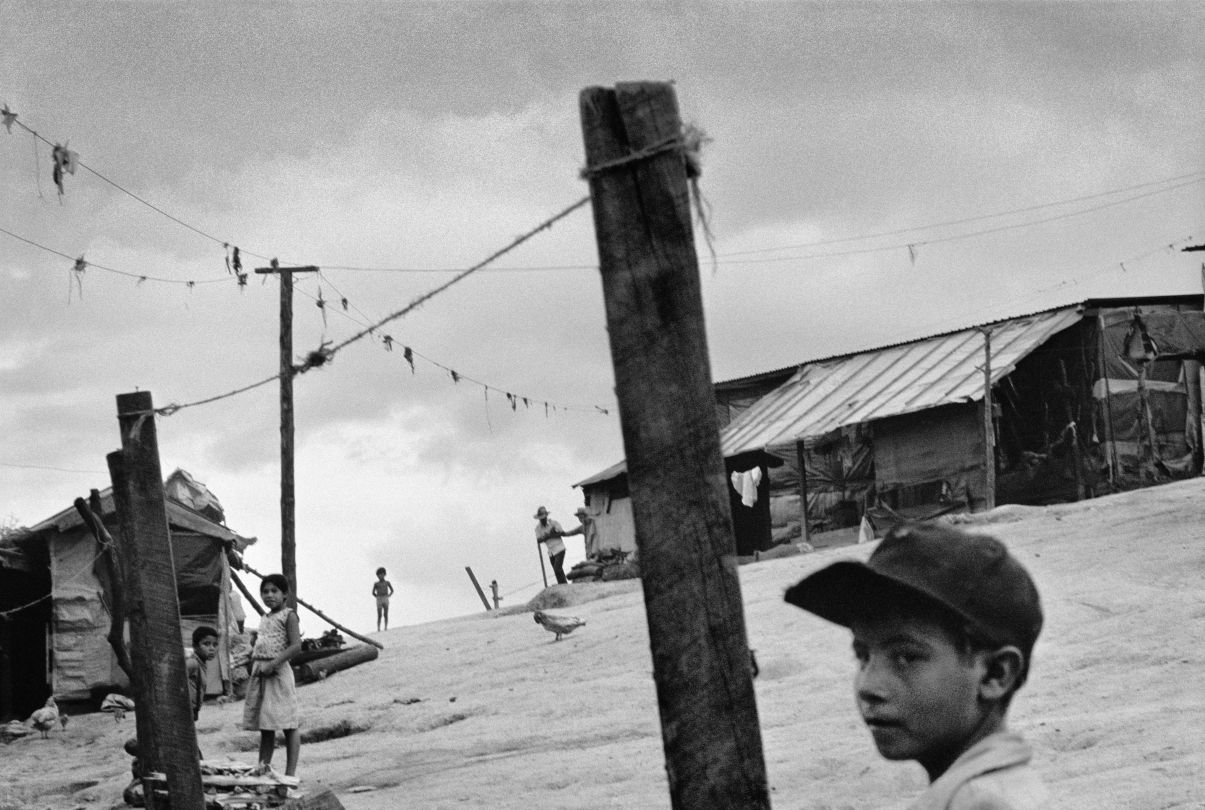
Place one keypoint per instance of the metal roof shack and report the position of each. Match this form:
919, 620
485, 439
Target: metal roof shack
1080, 406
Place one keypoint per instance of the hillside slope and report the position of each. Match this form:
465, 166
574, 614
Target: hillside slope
507, 718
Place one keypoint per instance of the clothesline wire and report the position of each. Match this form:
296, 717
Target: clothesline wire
545, 225
223, 280
6, 613
148, 204
459, 375
325, 354
957, 237
1071, 280
55, 469
517, 590
1026, 209
1190, 178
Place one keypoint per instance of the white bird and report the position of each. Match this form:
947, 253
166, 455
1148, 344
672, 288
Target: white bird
45, 718
561, 625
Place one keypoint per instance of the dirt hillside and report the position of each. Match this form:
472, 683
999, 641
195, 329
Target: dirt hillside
506, 718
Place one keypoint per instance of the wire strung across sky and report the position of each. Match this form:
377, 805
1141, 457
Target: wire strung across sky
409, 353
723, 258
324, 354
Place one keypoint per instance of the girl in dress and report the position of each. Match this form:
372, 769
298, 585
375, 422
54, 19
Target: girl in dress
272, 694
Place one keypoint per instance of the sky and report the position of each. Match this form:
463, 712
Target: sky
377, 140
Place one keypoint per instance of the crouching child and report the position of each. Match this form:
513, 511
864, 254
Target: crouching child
943, 624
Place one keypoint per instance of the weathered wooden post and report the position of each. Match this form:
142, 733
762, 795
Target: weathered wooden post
166, 736
288, 499
989, 429
637, 168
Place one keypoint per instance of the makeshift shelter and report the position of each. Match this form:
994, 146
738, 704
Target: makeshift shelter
609, 503
1086, 398
59, 645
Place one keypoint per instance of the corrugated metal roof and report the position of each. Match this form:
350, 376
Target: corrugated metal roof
901, 379
889, 381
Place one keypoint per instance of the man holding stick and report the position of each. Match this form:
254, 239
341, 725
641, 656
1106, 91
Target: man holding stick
549, 532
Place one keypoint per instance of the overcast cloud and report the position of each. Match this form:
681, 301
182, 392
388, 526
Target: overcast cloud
412, 135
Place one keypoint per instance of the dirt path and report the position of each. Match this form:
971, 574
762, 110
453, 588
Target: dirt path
509, 719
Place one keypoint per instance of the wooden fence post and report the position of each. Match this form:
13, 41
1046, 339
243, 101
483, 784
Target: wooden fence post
651, 287
163, 707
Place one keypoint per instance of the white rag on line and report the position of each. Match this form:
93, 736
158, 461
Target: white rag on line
746, 483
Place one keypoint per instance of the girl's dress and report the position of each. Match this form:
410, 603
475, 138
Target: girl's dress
271, 699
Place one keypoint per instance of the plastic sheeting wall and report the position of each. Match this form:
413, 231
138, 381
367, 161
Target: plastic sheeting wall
938, 445
81, 654
614, 525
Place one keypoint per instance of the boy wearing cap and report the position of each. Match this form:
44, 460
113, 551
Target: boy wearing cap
944, 623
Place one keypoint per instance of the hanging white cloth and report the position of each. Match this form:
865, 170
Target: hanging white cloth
746, 483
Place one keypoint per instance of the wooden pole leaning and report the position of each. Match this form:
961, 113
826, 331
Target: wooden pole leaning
154, 605
90, 511
477, 585
652, 292
323, 616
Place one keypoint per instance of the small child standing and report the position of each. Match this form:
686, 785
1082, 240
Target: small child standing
943, 624
382, 590
204, 650
271, 693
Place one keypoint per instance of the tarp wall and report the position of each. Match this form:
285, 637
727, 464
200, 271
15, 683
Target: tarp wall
940, 445
611, 508
80, 649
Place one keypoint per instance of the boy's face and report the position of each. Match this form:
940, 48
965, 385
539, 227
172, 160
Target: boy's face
915, 689
206, 648
381, 575
273, 597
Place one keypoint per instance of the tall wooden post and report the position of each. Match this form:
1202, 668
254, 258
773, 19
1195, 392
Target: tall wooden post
989, 430
1114, 461
154, 605
123, 545
288, 502
650, 278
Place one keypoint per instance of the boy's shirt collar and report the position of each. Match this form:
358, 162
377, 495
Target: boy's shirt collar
997, 752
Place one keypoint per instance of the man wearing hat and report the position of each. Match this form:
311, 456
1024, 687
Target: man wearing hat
549, 532
586, 530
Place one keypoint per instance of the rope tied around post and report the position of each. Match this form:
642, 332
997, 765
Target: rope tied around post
689, 144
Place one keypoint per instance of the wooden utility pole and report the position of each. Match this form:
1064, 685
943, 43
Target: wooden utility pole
288, 503
637, 167
801, 456
166, 735
989, 430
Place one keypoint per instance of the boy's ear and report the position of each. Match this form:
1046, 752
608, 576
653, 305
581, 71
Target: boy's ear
1001, 672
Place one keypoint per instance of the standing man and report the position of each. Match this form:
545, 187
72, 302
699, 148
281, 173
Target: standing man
549, 533
587, 530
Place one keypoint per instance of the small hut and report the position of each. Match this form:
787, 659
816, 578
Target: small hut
56, 643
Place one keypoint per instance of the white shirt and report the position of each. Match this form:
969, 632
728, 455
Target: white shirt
543, 532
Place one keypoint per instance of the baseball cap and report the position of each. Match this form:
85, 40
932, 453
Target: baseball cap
970, 574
